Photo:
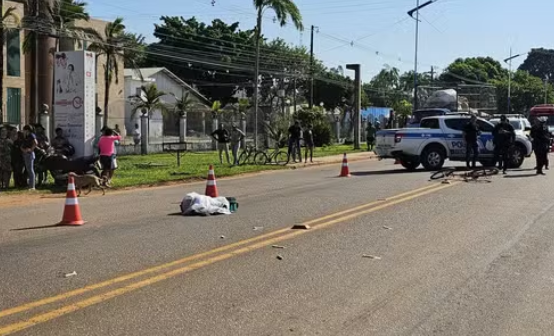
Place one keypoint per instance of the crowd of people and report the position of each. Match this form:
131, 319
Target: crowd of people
233, 138
504, 137
21, 153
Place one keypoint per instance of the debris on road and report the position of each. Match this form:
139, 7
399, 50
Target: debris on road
257, 228
278, 246
280, 257
387, 228
371, 256
69, 275
222, 237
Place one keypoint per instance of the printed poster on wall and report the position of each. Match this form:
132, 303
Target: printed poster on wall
74, 98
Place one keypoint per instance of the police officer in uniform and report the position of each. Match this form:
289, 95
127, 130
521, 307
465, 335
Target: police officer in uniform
471, 132
541, 143
504, 136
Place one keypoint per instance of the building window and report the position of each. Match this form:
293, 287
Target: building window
13, 47
14, 106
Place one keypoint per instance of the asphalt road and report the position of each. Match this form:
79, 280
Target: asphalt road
388, 253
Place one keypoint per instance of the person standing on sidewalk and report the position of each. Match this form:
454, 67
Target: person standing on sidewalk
370, 136
221, 135
28, 147
295, 132
309, 143
541, 144
236, 137
6, 147
471, 132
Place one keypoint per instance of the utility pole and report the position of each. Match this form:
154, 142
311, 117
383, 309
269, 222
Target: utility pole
509, 61
546, 90
357, 102
312, 67
411, 14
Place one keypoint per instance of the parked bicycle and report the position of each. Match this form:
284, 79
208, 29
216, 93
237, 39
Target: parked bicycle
248, 156
276, 156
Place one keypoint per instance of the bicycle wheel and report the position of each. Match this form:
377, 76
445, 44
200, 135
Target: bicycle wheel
281, 158
244, 158
260, 158
444, 173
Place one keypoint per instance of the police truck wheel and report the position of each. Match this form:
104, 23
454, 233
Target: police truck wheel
433, 158
410, 165
517, 156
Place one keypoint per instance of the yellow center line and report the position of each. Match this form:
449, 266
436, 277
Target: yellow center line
44, 317
133, 275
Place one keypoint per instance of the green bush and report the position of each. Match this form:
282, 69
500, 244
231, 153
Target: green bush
323, 134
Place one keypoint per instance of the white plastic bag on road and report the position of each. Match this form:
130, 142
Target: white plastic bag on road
196, 204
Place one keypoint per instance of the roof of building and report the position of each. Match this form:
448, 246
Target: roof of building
150, 72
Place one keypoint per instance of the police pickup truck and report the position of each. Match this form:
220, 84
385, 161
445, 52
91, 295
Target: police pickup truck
439, 138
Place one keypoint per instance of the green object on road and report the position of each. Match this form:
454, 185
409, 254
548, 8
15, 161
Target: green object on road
233, 205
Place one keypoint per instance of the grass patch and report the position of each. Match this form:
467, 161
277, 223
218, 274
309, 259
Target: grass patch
137, 170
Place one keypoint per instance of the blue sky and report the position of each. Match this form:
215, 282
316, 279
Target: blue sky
380, 30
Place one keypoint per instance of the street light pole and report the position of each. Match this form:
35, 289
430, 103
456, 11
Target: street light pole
546, 90
416, 100
509, 61
411, 14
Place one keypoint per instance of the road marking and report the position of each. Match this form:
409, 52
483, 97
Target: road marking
133, 275
44, 317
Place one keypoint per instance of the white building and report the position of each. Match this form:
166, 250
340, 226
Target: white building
169, 83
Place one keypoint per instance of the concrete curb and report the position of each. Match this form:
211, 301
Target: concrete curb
16, 200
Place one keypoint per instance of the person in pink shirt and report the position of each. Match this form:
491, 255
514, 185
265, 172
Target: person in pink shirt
106, 147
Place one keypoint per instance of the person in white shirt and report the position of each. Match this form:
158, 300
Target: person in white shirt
136, 135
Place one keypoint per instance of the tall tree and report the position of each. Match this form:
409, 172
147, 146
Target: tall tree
58, 21
115, 46
283, 10
473, 70
526, 92
540, 63
9, 21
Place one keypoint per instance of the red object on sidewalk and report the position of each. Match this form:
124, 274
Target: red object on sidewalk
71, 211
344, 171
211, 186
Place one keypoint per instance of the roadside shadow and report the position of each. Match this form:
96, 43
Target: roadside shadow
175, 214
399, 171
520, 175
522, 170
40, 227
385, 172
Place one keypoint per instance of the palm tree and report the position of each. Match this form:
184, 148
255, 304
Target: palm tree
10, 20
114, 45
283, 10
149, 100
57, 21
186, 103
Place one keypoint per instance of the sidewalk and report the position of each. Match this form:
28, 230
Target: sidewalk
16, 199
336, 159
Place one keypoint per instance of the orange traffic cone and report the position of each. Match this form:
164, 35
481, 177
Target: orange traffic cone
344, 172
71, 211
211, 187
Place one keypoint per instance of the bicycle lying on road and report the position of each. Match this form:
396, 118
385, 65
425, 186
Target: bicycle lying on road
451, 174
